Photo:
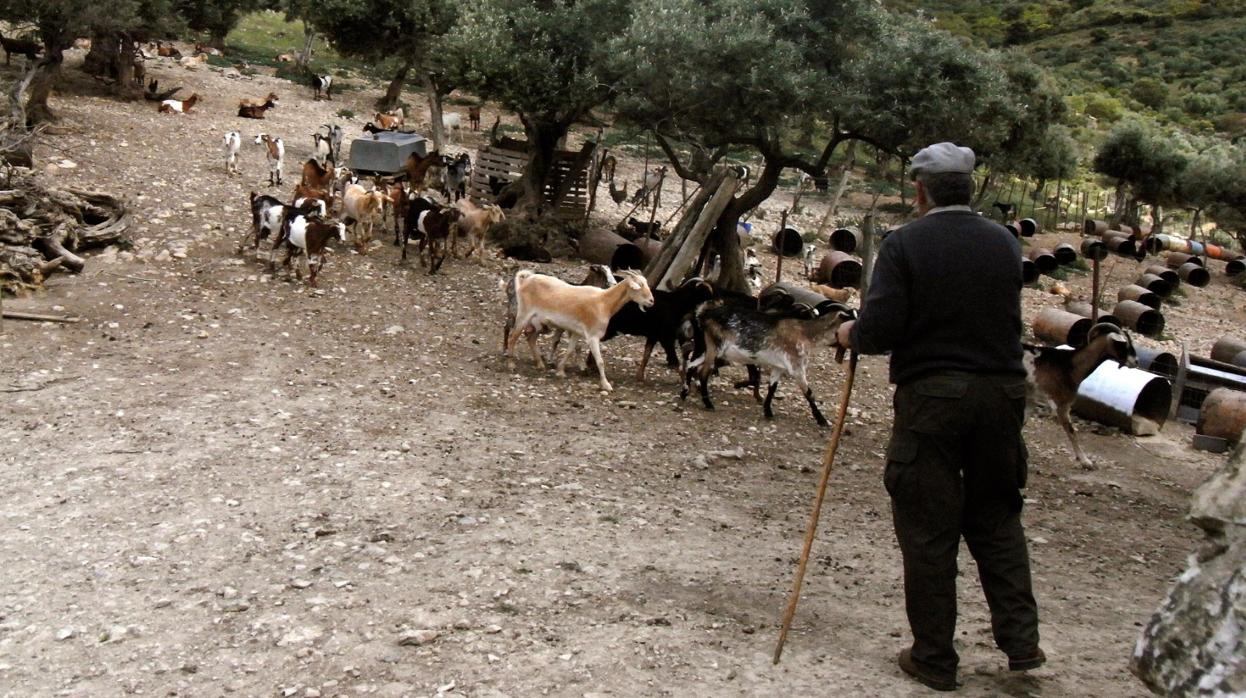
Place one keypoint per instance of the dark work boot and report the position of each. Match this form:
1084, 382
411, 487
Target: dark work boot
935, 680
1028, 662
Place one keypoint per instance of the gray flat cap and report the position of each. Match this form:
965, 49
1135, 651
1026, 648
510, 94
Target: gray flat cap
942, 157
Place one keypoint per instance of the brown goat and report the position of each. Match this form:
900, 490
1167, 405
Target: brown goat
316, 176
473, 117
252, 111
1057, 373
178, 106
475, 225
389, 122
417, 168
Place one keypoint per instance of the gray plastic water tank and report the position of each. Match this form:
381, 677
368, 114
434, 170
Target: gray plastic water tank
385, 152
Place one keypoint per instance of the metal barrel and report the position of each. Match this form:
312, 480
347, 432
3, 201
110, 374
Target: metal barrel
1226, 348
1140, 318
1156, 361
1056, 326
1239, 360
838, 270
1043, 259
1083, 308
1065, 254
1134, 292
649, 248
1155, 284
1154, 244
1169, 275
1029, 271
1234, 267
787, 242
1133, 400
1121, 244
1029, 227
1174, 260
1093, 249
1093, 227
1014, 227
1194, 274
1223, 414
788, 296
844, 240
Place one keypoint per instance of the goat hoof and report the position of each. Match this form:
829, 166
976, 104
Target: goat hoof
823, 423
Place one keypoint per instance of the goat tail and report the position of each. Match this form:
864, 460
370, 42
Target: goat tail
522, 275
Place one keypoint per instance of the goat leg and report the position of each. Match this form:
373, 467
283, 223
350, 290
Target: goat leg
765, 406
594, 345
1062, 416
644, 359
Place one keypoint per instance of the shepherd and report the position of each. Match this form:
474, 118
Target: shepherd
945, 300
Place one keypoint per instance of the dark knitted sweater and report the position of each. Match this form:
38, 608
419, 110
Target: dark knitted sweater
945, 296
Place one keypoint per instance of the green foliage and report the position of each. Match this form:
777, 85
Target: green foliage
261, 36
1147, 160
346, 113
381, 31
1150, 92
1104, 108
216, 17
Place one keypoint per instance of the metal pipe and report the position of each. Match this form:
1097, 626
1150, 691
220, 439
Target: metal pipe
1234, 267
1043, 259
1029, 272
1083, 308
1156, 361
1029, 227
1226, 348
787, 242
784, 295
1172, 277
1015, 228
1140, 318
844, 240
1056, 326
1094, 227
1120, 244
1131, 399
1134, 292
1065, 254
838, 270
1155, 284
1223, 414
1194, 275
1093, 249
1174, 260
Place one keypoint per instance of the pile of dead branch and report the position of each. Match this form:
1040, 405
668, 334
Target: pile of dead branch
41, 228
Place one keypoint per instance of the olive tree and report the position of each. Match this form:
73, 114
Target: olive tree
1144, 162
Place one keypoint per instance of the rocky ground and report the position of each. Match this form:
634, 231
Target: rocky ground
221, 482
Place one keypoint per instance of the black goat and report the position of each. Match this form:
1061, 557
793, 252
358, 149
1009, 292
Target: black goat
660, 323
641, 229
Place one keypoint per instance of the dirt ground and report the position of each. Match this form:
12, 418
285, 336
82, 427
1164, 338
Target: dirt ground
221, 482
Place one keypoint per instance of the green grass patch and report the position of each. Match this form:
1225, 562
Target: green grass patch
262, 36
346, 113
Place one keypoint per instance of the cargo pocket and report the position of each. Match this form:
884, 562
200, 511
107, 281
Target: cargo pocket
932, 405
901, 453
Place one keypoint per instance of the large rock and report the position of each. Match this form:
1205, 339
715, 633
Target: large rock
1195, 644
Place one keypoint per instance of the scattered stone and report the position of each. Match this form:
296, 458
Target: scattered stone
419, 637
235, 606
65, 634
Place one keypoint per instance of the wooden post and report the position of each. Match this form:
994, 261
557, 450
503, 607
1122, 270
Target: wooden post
1182, 369
778, 270
1055, 219
691, 247
670, 247
839, 188
657, 193
1094, 291
1085, 209
594, 176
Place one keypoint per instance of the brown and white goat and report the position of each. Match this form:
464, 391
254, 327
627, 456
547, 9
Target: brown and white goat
390, 122
276, 152
254, 108
583, 312
306, 237
179, 106
362, 208
475, 225
432, 224
1057, 372
741, 334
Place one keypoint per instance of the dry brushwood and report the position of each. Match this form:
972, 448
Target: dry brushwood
41, 227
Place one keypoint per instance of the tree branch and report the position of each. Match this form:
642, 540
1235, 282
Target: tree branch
680, 168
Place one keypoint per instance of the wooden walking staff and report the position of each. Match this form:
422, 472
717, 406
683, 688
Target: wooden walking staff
828, 461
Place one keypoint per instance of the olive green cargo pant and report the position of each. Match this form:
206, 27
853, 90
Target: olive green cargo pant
955, 467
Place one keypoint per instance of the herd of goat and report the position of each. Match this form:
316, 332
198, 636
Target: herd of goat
776, 330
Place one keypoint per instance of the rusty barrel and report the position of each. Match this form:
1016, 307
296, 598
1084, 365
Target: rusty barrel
1014, 227
1223, 414
1029, 227
787, 242
1174, 260
1056, 326
1156, 361
1120, 243
788, 296
1169, 275
838, 270
649, 248
1140, 318
1083, 308
1043, 259
1065, 254
1094, 227
1226, 349
1155, 284
1134, 292
1234, 267
844, 240
1194, 275
1029, 271
1093, 249
602, 246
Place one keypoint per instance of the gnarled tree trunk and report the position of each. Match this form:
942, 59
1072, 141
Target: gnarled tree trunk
394, 91
47, 70
435, 112
543, 139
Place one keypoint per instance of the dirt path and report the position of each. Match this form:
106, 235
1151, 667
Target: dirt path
221, 483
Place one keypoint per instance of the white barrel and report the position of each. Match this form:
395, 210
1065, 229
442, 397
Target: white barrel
1133, 400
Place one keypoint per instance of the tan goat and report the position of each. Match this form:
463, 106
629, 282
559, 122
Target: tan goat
583, 312
363, 208
475, 225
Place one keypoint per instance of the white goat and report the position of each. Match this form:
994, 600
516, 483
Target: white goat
233, 142
583, 312
451, 123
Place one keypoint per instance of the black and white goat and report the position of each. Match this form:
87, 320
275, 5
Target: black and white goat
1056, 372
267, 216
752, 269
455, 175
322, 83
781, 343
